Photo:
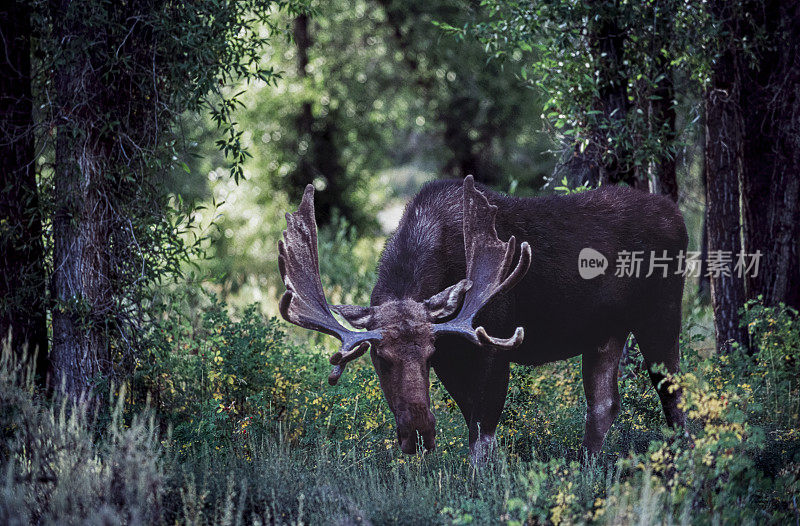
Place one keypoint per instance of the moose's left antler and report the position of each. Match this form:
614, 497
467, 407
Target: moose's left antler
488, 264
304, 302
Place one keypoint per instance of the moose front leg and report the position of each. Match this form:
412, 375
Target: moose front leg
478, 383
602, 392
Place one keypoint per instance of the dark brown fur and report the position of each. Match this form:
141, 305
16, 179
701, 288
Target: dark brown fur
563, 315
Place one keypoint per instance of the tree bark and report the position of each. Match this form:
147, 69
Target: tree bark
22, 275
665, 174
722, 166
607, 41
771, 161
597, 163
753, 153
703, 282
81, 273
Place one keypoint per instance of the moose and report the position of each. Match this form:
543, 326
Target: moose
450, 295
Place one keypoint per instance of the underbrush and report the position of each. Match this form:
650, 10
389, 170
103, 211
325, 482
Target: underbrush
226, 421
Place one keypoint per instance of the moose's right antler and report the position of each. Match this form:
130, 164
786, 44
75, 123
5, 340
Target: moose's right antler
304, 302
488, 264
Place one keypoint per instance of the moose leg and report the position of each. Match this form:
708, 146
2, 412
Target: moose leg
602, 393
490, 393
662, 348
478, 383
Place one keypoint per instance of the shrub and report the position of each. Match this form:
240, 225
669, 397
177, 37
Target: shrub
259, 437
775, 363
216, 378
60, 467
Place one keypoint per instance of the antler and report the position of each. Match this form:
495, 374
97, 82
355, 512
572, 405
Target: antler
488, 263
304, 302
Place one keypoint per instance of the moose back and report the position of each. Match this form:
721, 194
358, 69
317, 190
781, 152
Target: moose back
589, 269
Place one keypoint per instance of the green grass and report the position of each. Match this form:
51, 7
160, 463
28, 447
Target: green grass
222, 441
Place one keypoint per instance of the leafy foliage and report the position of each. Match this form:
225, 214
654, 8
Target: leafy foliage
776, 340
111, 80
601, 66
259, 435
387, 95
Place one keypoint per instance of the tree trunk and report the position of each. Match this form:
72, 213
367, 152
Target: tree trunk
753, 112
665, 176
597, 164
22, 275
304, 172
462, 111
607, 41
318, 155
722, 166
703, 282
81, 281
469, 155
579, 168
771, 161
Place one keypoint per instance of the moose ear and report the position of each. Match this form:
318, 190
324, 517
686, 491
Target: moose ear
358, 317
447, 302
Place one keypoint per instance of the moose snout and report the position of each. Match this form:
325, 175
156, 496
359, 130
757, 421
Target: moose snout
416, 421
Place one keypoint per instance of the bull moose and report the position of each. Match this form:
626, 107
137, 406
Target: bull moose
451, 295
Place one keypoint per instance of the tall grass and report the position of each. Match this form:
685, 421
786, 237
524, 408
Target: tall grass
115, 460
60, 465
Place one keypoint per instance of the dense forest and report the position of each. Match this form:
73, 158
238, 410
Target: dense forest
150, 149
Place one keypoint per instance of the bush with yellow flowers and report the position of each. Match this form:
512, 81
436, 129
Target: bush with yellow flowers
773, 362
249, 396
258, 434
208, 376
216, 377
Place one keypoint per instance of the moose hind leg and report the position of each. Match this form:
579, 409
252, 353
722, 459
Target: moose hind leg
602, 392
664, 351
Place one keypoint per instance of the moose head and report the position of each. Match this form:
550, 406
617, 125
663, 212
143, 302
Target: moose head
402, 333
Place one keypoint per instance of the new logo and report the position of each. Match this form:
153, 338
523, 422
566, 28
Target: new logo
591, 263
